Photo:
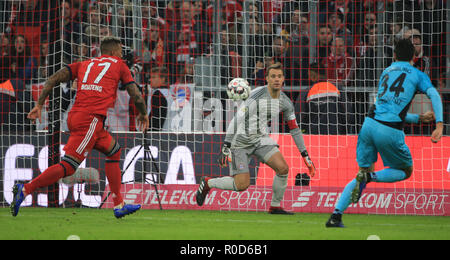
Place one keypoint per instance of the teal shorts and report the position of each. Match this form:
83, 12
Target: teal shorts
376, 138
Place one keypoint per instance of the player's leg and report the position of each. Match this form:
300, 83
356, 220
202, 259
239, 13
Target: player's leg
272, 156
51, 175
390, 144
366, 155
111, 148
80, 142
239, 179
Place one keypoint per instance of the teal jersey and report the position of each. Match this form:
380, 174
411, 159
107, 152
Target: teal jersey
397, 87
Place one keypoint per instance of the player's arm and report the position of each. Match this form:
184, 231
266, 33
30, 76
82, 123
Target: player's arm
139, 102
427, 87
426, 117
225, 151
297, 135
62, 75
436, 102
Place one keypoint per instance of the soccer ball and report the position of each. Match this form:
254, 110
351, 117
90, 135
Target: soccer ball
238, 89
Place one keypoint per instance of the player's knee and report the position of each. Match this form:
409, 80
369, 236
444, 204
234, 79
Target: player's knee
408, 172
69, 165
283, 170
242, 182
114, 154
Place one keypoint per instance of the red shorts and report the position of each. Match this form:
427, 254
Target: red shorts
86, 133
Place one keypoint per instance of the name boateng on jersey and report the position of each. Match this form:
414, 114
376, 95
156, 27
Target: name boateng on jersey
98, 80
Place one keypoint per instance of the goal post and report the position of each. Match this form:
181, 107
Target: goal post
183, 54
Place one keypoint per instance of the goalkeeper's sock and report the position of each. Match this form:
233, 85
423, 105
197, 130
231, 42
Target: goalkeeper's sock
345, 199
388, 175
223, 183
50, 176
278, 188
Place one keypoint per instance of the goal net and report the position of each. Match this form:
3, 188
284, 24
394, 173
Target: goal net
183, 54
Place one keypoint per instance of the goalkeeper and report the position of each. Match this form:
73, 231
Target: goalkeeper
382, 131
248, 135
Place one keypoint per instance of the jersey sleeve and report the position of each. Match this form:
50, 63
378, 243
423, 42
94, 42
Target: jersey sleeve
74, 68
289, 117
125, 75
424, 82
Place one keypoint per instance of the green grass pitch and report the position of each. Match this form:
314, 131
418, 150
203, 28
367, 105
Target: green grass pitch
93, 224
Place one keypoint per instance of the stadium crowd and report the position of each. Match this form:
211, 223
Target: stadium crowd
352, 43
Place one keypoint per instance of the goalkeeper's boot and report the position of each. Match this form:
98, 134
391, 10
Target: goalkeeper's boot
335, 221
203, 190
18, 198
279, 211
127, 209
362, 178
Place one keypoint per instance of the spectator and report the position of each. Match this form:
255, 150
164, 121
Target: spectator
92, 37
230, 60
80, 10
4, 45
150, 13
125, 26
188, 38
43, 61
15, 100
339, 29
422, 61
396, 30
297, 61
23, 65
370, 20
72, 31
367, 61
297, 26
30, 18
272, 9
324, 41
153, 54
432, 14
255, 50
173, 13
339, 64
158, 98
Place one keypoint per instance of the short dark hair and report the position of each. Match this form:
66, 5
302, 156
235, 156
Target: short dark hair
108, 44
276, 66
404, 50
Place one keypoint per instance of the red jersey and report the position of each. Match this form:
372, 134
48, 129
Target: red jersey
98, 80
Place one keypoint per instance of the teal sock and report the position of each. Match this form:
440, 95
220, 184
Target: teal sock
345, 199
388, 175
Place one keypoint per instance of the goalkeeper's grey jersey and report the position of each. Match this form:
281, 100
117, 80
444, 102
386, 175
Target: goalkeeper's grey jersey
250, 125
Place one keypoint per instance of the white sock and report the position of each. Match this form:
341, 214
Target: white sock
278, 188
223, 183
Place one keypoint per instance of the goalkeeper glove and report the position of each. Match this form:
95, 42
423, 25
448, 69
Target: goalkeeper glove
309, 163
225, 155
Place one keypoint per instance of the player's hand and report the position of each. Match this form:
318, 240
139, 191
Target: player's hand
35, 113
427, 117
309, 163
143, 122
225, 155
437, 133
